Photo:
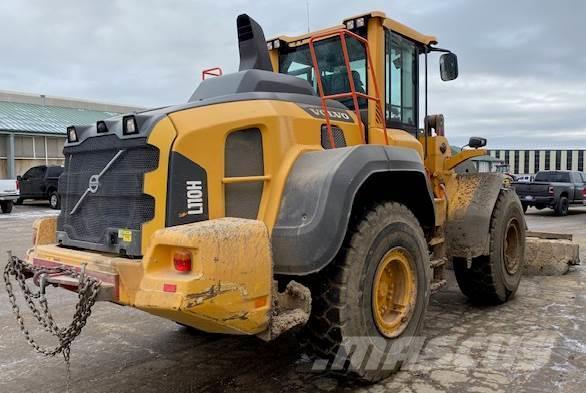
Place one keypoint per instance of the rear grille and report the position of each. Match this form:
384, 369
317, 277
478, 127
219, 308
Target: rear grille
119, 202
337, 133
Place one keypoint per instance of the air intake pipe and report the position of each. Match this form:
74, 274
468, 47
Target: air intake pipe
254, 54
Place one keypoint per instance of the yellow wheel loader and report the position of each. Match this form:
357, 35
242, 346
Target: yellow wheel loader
299, 192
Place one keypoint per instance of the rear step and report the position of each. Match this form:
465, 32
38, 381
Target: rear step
438, 282
438, 261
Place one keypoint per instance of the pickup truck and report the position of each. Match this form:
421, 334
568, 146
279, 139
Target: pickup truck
41, 182
8, 195
553, 189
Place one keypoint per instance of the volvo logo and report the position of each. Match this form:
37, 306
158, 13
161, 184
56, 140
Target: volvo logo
94, 184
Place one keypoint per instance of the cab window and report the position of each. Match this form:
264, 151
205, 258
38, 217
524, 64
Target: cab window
401, 76
35, 173
297, 61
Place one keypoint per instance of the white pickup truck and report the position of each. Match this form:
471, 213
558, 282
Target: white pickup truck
8, 195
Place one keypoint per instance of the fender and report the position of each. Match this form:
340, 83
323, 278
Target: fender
319, 195
469, 214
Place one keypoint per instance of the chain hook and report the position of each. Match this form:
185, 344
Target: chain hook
43, 283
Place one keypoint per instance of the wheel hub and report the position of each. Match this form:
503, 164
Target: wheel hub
394, 292
512, 247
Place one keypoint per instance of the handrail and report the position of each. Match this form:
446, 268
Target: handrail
352, 93
215, 72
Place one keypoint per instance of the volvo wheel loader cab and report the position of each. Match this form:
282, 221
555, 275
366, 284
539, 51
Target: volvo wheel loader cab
298, 191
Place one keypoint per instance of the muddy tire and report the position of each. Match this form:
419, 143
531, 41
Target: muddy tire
6, 207
562, 207
54, 200
494, 278
374, 294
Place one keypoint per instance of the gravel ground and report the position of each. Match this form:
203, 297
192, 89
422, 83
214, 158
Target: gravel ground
535, 343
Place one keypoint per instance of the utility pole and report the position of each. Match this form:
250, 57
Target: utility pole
308, 20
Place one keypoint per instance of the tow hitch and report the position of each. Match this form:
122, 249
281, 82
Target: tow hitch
89, 288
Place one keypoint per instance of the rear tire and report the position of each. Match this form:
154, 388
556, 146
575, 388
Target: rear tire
355, 302
19, 201
561, 208
6, 206
54, 200
495, 278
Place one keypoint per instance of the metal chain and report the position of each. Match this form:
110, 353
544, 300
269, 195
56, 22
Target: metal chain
87, 293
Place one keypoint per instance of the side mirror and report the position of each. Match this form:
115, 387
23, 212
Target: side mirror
477, 142
19, 178
448, 66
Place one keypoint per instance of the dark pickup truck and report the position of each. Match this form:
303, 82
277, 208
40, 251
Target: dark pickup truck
40, 182
554, 189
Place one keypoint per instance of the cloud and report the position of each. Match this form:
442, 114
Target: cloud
521, 62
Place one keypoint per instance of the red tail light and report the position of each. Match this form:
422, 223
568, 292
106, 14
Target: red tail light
182, 261
584, 192
17, 185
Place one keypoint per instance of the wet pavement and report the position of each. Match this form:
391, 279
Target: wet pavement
535, 343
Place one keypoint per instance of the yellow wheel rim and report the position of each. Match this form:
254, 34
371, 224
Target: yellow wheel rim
394, 292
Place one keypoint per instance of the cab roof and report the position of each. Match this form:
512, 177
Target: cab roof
389, 23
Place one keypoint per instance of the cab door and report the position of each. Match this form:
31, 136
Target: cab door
401, 82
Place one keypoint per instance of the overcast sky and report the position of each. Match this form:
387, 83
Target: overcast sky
522, 66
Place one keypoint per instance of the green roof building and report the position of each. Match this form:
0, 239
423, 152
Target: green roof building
33, 127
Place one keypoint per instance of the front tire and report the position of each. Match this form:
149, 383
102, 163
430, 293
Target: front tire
6, 207
495, 278
374, 293
54, 200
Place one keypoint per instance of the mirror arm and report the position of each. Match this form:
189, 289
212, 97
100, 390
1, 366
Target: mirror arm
436, 49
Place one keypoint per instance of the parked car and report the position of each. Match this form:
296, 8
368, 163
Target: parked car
40, 182
8, 195
553, 189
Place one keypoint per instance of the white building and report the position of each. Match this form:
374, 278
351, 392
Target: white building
528, 162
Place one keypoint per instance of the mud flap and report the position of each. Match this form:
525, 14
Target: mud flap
291, 309
469, 213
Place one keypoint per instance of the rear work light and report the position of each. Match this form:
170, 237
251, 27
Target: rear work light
71, 134
182, 261
129, 126
102, 127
